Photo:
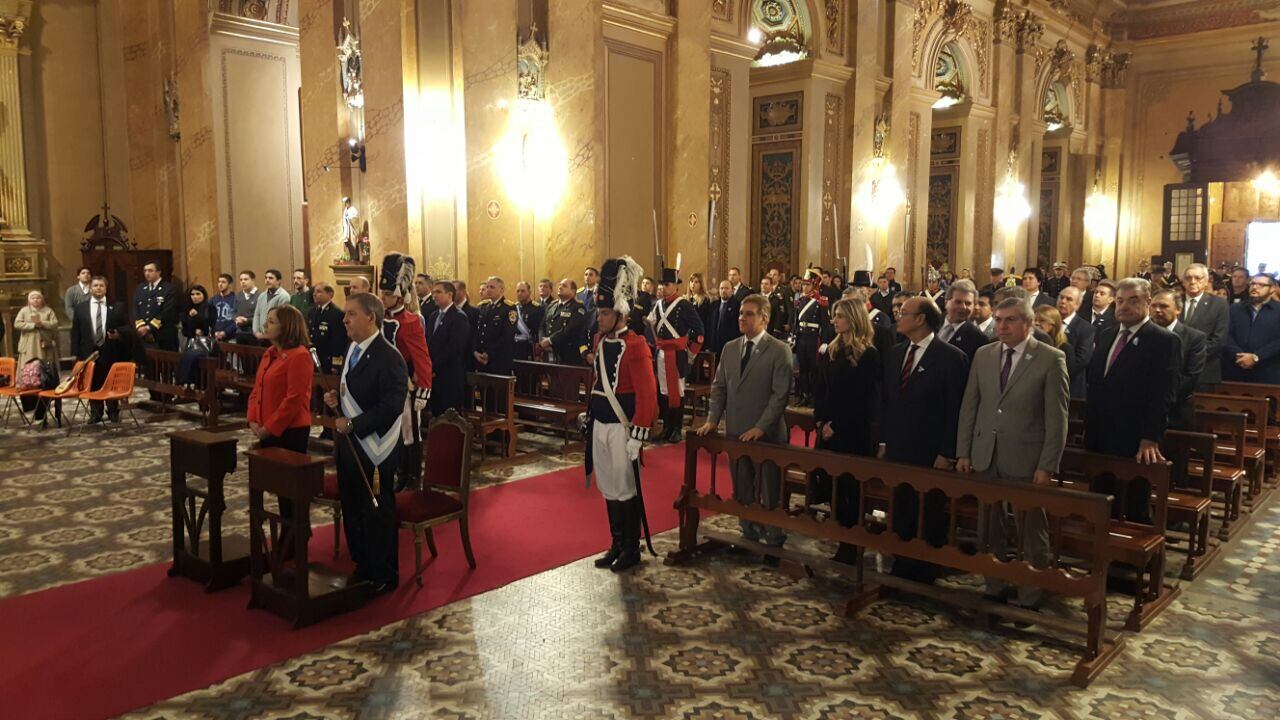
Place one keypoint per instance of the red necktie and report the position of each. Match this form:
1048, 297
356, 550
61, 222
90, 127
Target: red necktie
1008, 366
906, 368
1124, 340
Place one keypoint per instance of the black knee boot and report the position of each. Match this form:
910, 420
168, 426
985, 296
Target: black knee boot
617, 521
409, 474
672, 422
630, 555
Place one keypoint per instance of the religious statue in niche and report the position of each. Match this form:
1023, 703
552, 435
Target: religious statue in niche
355, 242
349, 67
531, 66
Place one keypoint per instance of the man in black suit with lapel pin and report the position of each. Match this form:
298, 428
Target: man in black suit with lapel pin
1207, 313
1081, 333
1133, 380
923, 387
448, 340
102, 326
1102, 312
1191, 365
370, 402
724, 319
958, 330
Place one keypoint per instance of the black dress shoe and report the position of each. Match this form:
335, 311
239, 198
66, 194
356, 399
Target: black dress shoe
627, 560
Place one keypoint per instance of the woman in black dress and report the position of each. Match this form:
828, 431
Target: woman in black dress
848, 373
197, 324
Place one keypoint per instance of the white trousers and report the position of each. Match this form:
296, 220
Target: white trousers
614, 474
662, 377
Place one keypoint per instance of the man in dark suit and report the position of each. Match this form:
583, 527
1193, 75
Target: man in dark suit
1080, 333
448, 341
1054, 285
155, 310
528, 321
102, 326
1102, 312
1133, 379
1253, 344
779, 310
891, 275
1191, 365
958, 329
923, 387
724, 319
371, 402
1207, 313
328, 336
493, 336
1033, 283
471, 311
564, 327
882, 296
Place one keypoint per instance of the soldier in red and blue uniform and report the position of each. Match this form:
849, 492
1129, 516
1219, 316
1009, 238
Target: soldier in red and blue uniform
402, 326
678, 333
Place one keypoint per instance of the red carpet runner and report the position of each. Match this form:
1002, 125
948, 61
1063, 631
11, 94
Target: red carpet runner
102, 647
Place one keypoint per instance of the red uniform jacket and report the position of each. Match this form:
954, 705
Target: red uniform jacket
636, 377
281, 397
411, 341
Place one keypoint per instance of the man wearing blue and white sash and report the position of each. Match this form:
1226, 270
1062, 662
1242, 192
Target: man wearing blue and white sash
370, 399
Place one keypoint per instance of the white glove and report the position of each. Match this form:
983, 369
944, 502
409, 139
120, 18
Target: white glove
420, 398
633, 449
822, 349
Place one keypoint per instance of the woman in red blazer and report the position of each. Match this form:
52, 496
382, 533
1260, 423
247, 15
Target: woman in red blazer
280, 404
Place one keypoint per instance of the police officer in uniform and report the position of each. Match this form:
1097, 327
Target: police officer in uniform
678, 335
564, 327
812, 331
493, 340
155, 310
328, 335
528, 321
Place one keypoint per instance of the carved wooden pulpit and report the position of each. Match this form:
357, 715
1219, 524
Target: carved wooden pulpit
283, 579
218, 563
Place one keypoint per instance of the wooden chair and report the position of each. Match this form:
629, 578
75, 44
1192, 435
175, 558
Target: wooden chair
118, 387
1270, 393
1191, 494
331, 499
11, 393
492, 407
83, 384
1228, 472
446, 483
697, 388
1255, 411
1075, 423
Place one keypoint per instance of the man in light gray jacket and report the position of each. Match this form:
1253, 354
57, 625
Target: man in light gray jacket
750, 392
1013, 428
274, 296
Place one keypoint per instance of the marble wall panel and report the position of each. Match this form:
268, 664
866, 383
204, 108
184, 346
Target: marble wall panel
383, 192
326, 167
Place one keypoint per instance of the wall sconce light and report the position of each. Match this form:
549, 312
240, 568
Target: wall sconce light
880, 195
780, 49
357, 153
1100, 213
1011, 205
1267, 183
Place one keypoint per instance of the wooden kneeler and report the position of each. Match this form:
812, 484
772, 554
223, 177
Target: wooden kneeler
283, 578
218, 563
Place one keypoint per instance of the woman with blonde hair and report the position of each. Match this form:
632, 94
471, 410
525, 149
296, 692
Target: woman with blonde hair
1049, 321
845, 401
696, 295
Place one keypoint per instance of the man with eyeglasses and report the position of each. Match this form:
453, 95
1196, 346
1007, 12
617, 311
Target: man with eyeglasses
1253, 344
1206, 312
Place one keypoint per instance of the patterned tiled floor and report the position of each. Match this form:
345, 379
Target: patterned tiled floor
722, 638
76, 507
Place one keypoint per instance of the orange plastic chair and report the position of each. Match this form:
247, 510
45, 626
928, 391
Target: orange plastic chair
117, 387
11, 393
79, 387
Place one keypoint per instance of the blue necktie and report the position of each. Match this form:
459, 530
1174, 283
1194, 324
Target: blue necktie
355, 358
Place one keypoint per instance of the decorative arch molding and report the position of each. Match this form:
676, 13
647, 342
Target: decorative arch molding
813, 23
1059, 65
938, 22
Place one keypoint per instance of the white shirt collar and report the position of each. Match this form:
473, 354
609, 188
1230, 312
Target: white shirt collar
1135, 328
1018, 349
923, 344
1067, 320
363, 344
1172, 325
756, 338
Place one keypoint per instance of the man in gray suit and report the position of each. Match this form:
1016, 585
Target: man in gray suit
1013, 427
750, 392
1207, 313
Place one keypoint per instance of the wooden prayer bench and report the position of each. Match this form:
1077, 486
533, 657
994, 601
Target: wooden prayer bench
491, 407
1256, 411
1133, 541
236, 369
1271, 393
552, 396
283, 580
1229, 474
220, 562
697, 387
159, 373
1191, 495
1080, 573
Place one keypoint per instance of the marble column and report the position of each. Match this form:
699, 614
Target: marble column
690, 133
382, 28
1003, 83
901, 244
189, 165
1029, 140
13, 183
326, 169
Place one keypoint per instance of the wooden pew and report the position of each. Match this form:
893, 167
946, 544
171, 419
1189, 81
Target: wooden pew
1082, 574
552, 396
1191, 494
491, 407
697, 388
158, 372
1075, 422
1133, 541
1229, 474
1256, 411
1270, 393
